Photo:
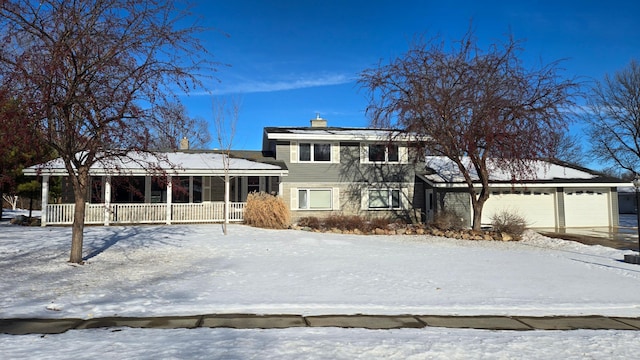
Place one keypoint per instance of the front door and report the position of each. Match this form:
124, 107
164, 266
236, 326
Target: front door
428, 201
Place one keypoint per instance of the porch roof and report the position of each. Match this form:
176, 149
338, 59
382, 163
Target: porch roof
186, 163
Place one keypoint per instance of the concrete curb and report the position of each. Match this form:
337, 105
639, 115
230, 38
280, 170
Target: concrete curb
377, 322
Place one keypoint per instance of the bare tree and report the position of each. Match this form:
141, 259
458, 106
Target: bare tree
225, 118
21, 145
90, 74
614, 119
568, 149
174, 124
468, 103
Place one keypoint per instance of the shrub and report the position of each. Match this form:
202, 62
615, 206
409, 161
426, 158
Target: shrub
266, 211
379, 223
510, 223
447, 220
311, 222
344, 222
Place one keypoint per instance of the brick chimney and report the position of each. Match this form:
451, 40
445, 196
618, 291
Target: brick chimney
184, 143
318, 122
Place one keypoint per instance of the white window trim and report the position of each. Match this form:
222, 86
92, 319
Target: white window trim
403, 196
335, 198
334, 156
364, 154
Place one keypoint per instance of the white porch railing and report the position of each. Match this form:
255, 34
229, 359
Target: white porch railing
209, 212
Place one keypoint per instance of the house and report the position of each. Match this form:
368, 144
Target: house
627, 200
558, 195
348, 171
321, 171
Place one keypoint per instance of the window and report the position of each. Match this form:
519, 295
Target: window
96, 190
180, 189
314, 199
383, 153
253, 184
128, 189
314, 152
197, 189
185, 189
384, 199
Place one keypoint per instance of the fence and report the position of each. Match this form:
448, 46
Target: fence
208, 212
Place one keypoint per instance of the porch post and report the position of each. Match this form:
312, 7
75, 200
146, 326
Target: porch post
107, 200
169, 199
148, 183
243, 182
45, 200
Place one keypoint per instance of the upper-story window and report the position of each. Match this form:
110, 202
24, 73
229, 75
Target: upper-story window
315, 152
383, 153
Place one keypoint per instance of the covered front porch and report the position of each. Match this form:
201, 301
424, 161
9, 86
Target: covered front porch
195, 193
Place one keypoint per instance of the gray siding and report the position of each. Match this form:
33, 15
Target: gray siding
353, 171
348, 170
351, 177
301, 172
457, 201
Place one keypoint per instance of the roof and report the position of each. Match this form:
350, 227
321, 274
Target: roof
336, 133
443, 172
187, 163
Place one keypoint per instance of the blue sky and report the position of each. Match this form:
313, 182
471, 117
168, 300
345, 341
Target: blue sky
291, 59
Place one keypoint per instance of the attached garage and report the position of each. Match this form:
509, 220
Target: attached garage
537, 206
557, 195
587, 207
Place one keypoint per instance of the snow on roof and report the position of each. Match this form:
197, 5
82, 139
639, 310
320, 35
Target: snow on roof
447, 171
336, 133
330, 131
178, 162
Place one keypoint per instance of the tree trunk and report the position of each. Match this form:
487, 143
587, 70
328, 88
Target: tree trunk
478, 204
77, 230
1, 202
226, 201
477, 215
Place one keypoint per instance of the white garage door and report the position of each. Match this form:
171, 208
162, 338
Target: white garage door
536, 206
586, 207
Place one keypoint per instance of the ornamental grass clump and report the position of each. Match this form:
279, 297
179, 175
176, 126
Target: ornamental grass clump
509, 223
266, 211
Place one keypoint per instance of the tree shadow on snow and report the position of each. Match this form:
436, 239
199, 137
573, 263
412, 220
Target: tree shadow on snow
136, 236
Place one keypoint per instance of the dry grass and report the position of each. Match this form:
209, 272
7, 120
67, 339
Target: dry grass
510, 223
344, 223
266, 211
447, 220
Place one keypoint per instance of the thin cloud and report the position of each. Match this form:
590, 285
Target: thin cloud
272, 86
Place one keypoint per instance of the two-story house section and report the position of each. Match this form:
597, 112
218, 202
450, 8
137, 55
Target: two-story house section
349, 171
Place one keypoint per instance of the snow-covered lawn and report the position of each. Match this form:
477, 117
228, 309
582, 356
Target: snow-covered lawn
194, 269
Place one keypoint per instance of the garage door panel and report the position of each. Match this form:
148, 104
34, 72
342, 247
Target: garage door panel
586, 207
537, 207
